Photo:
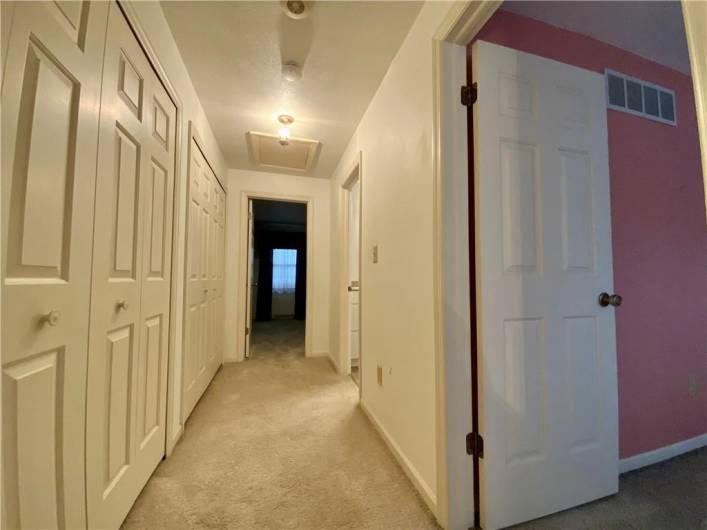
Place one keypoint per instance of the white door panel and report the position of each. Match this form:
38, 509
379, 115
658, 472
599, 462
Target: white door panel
204, 326
130, 300
547, 351
52, 61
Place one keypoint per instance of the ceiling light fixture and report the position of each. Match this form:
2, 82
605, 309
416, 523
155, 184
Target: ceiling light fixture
297, 9
284, 133
291, 71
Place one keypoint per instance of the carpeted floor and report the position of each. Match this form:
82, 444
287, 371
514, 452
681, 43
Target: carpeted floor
671, 495
277, 339
278, 442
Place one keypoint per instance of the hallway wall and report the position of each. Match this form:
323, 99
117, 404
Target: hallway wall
275, 184
395, 137
154, 23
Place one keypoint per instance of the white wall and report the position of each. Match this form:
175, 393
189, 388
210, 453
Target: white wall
154, 24
395, 137
277, 185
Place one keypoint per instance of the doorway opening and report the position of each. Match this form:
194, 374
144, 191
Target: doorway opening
277, 279
607, 89
352, 323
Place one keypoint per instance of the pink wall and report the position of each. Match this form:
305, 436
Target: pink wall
659, 240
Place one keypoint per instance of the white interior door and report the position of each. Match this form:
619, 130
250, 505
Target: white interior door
354, 306
203, 319
130, 299
50, 97
547, 350
250, 275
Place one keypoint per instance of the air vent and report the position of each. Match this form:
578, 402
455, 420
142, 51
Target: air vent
628, 94
299, 155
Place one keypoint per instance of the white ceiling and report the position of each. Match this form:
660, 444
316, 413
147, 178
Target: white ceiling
234, 52
651, 29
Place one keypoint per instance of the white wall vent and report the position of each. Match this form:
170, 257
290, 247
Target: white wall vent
628, 94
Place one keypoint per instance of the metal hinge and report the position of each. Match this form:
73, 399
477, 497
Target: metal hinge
247, 331
469, 94
475, 444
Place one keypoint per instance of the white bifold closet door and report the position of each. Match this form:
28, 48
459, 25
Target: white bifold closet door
50, 101
203, 320
130, 299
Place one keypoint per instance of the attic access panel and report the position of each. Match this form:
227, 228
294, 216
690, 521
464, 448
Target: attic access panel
299, 155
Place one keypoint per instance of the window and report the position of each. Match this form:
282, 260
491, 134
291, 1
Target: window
641, 98
284, 270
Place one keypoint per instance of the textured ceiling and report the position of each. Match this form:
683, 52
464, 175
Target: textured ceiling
651, 29
234, 52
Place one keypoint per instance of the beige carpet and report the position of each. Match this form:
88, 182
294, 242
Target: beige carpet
277, 339
279, 442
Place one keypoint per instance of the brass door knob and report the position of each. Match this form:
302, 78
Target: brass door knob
123, 305
606, 299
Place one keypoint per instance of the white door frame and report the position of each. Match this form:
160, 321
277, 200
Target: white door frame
243, 266
174, 380
455, 487
355, 173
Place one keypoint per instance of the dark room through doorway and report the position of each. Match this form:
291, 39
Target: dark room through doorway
278, 279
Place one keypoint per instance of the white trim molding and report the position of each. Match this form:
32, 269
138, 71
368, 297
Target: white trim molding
455, 485
695, 16
410, 470
663, 453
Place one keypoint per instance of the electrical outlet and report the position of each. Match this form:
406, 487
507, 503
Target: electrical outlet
380, 375
692, 384
375, 253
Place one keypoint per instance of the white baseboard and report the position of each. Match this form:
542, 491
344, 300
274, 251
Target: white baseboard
171, 444
663, 453
333, 362
422, 487
317, 354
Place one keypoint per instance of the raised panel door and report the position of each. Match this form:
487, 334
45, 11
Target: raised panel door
204, 314
128, 341
547, 351
52, 61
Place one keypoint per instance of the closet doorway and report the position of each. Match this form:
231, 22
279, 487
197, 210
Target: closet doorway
277, 280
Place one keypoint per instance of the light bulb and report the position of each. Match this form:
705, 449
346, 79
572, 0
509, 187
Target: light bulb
291, 71
284, 134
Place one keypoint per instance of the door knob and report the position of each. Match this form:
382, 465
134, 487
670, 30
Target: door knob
123, 305
51, 318
606, 299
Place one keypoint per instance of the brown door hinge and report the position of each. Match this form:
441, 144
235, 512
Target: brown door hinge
469, 94
475, 444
